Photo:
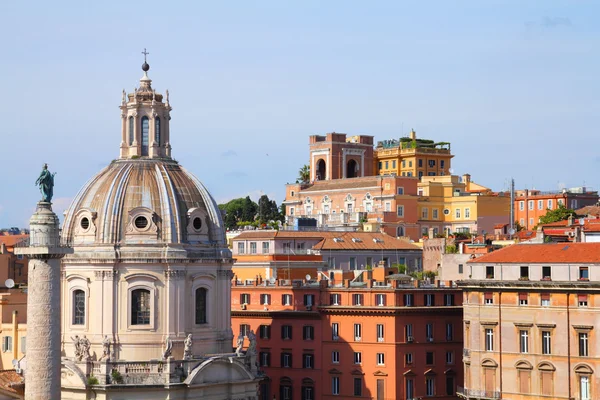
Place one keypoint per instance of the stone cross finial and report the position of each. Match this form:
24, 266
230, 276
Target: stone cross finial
145, 53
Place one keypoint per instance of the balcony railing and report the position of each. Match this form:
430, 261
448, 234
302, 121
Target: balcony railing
477, 394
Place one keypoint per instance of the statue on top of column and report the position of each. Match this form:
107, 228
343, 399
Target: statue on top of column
46, 184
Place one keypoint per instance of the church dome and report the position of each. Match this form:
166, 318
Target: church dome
143, 201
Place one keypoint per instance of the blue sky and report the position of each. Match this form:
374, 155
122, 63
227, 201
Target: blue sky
512, 85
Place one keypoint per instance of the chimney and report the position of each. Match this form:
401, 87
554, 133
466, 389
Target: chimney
413, 134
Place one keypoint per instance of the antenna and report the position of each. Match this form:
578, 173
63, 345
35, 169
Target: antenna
9, 283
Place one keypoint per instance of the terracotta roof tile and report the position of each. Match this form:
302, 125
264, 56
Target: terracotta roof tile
354, 183
552, 253
11, 382
11, 240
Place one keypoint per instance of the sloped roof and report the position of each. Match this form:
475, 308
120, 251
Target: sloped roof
12, 383
11, 240
540, 253
353, 183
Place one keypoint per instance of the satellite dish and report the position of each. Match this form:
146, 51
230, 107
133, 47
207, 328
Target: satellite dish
307, 277
9, 283
511, 231
272, 280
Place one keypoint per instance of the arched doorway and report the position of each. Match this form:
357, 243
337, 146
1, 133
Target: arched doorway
352, 169
321, 170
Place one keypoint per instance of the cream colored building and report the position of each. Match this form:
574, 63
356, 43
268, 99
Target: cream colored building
150, 274
531, 322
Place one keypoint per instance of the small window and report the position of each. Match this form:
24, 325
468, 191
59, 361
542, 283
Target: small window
429, 332
524, 273
457, 213
489, 298
358, 386
546, 342
78, 307
429, 358
335, 299
489, 272
434, 213
265, 299
241, 248
521, 205
357, 299
335, 385
335, 331
408, 300
335, 357
244, 330
530, 204
286, 360
380, 359
524, 341
523, 301
308, 332
582, 300
400, 191
197, 223
449, 332
252, 247
286, 299
393, 163
400, 211
264, 331
140, 307
357, 332
460, 268
84, 223
286, 332
583, 344
545, 299
265, 247
141, 222
7, 343
265, 359
546, 273
408, 358
309, 300
157, 133
448, 299
380, 300
489, 340
245, 298
449, 357
584, 273
429, 300
380, 333
357, 357
201, 306
307, 361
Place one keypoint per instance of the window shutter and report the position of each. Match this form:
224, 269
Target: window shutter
282, 355
425, 299
305, 299
522, 296
9, 345
268, 331
269, 298
242, 298
432, 299
290, 332
331, 299
304, 333
489, 295
4, 344
23, 344
582, 297
282, 331
545, 296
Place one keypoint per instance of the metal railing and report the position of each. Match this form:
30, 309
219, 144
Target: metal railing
42, 242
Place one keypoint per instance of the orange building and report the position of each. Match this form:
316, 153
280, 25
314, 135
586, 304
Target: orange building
294, 254
12, 266
383, 338
334, 156
388, 203
531, 205
531, 316
410, 156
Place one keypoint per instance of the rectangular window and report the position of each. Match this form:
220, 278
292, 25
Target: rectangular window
449, 299
429, 358
357, 332
467, 213
583, 344
489, 340
241, 248
430, 386
265, 359
6, 343
357, 299
457, 213
335, 385
387, 165
524, 273
450, 385
449, 332
286, 299
400, 211
380, 300
434, 213
387, 206
489, 272
410, 388
380, 359
286, 332
265, 247
524, 341
531, 222
400, 190
265, 299
408, 358
244, 329
245, 298
335, 331
546, 343
357, 357
286, 360
530, 204
523, 299
380, 333
584, 273
582, 300
408, 331
309, 299
489, 298
424, 213
545, 297
408, 300
380, 165
429, 300
546, 273
307, 361
252, 247
431, 163
442, 163
521, 205
358, 386
429, 332
449, 357
335, 357
264, 331
393, 163
460, 268
335, 299
549, 204
308, 332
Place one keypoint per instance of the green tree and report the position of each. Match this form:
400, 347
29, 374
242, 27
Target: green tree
303, 174
237, 211
249, 209
559, 214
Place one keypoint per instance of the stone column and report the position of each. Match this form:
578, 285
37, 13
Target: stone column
43, 305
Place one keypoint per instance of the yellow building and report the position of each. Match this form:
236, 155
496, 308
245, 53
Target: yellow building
450, 203
410, 156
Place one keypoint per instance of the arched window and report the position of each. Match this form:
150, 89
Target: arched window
321, 170
352, 169
145, 133
78, 307
140, 307
157, 130
200, 306
130, 130
400, 231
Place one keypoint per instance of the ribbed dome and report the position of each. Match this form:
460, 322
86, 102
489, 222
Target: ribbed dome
143, 201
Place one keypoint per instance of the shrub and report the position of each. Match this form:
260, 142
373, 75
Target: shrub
92, 380
116, 376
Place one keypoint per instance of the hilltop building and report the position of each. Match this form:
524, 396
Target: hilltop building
410, 156
377, 336
530, 323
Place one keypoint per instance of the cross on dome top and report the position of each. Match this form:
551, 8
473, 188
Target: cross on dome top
145, 66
